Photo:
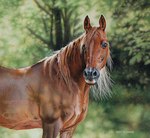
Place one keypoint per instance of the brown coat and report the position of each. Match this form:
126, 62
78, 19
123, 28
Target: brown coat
53, 93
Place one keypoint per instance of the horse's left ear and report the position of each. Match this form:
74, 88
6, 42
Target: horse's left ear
102, 22
87, 25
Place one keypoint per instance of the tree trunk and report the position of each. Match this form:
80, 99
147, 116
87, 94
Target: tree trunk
51, 45
58, 29
66, 31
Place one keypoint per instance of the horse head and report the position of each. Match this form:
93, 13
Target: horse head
95, 49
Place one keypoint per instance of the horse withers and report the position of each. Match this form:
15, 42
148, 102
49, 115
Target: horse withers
54, 93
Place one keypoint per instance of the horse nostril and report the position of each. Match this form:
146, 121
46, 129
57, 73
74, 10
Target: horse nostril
94, 73
85, 73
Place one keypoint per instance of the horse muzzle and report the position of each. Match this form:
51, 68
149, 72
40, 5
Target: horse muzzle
91, 75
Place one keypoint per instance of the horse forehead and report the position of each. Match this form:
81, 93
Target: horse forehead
98, 34
103, 35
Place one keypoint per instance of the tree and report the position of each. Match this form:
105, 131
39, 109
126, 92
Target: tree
130, 40
59, 20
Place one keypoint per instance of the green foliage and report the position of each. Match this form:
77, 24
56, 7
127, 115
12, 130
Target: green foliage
131, 38
18, 49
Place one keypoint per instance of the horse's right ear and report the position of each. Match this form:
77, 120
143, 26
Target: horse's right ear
87, 24
102, 22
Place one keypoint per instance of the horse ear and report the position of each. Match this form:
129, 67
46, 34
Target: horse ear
87, 24
102, 23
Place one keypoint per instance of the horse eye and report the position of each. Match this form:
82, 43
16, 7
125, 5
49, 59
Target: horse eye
104, 44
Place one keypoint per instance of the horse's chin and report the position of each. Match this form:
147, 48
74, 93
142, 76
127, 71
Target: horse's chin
90, 82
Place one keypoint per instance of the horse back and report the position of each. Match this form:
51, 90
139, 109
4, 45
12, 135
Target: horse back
8, 71
16, 99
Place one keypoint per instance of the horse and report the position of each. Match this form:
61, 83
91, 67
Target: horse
53, 94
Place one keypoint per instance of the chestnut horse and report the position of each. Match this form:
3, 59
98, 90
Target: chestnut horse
54, 93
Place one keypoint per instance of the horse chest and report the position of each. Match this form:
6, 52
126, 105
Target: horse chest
76, 114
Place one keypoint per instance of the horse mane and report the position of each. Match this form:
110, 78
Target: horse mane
68, 53
102, 90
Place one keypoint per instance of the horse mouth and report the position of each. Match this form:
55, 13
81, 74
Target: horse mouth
91, 75
90, 82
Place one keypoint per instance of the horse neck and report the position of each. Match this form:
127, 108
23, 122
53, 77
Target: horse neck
73, 61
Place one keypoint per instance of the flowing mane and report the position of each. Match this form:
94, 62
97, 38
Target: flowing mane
102, 89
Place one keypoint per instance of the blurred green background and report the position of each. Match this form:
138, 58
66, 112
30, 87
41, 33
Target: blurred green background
32, 29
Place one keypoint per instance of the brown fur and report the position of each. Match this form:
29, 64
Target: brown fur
52, 94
